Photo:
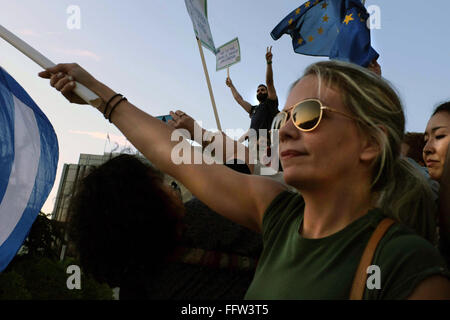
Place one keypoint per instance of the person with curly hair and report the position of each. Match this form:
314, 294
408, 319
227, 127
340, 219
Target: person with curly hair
125, 222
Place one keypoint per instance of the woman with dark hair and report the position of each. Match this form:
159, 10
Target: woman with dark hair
437, 140
436, 155
340, 135
125, 223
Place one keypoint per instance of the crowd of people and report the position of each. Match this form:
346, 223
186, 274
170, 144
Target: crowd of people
348, 171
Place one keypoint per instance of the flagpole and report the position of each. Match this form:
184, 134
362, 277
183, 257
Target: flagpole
209, 84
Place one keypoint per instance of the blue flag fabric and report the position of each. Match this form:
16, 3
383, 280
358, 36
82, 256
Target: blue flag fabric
330, 28
28, 161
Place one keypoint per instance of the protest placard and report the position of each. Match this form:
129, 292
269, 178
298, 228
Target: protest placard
228, 54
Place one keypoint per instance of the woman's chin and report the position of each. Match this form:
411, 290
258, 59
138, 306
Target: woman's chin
435, 174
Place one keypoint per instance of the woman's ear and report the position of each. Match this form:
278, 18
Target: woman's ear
370, 147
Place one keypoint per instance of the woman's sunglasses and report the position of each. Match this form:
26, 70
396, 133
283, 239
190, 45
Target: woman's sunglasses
305, 115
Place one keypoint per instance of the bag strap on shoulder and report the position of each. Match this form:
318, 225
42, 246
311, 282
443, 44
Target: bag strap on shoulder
360, 278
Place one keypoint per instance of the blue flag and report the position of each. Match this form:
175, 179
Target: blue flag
28, 161
330, 28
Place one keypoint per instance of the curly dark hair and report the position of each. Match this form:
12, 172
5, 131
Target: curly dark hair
123, 218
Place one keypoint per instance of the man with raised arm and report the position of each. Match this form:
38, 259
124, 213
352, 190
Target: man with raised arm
262, 114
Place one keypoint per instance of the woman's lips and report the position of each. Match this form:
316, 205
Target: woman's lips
291, 154
431, 163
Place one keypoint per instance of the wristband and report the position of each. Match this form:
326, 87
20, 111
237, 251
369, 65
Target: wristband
269, 62
107, 103
114, 106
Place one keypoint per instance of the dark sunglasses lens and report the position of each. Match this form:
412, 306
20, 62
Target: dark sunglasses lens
306, 114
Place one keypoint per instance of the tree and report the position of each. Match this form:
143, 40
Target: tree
42, 238
13, 287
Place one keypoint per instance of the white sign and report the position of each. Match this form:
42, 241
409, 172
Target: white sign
228, 54
198, 12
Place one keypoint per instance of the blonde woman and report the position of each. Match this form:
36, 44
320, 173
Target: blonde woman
340, 136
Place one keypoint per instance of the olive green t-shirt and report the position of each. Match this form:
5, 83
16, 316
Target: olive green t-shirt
292, 267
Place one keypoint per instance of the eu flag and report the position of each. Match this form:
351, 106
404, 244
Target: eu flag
330, 28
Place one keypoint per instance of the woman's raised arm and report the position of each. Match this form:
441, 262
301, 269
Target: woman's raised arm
239, 197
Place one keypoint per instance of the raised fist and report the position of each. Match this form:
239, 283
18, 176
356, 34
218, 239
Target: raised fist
228, 82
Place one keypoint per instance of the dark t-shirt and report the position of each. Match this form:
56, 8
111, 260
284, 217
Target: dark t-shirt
293, 267
263, 114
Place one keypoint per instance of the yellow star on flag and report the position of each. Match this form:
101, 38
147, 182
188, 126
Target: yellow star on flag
300, 41
290, 21
320, 31
311, 38
348, 18
325, 18
324, 5
298, 10
308, 4
316, 2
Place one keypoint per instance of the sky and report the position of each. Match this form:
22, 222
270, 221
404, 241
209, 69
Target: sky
147, 51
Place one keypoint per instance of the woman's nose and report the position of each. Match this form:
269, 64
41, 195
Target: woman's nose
288, 131
428, 148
